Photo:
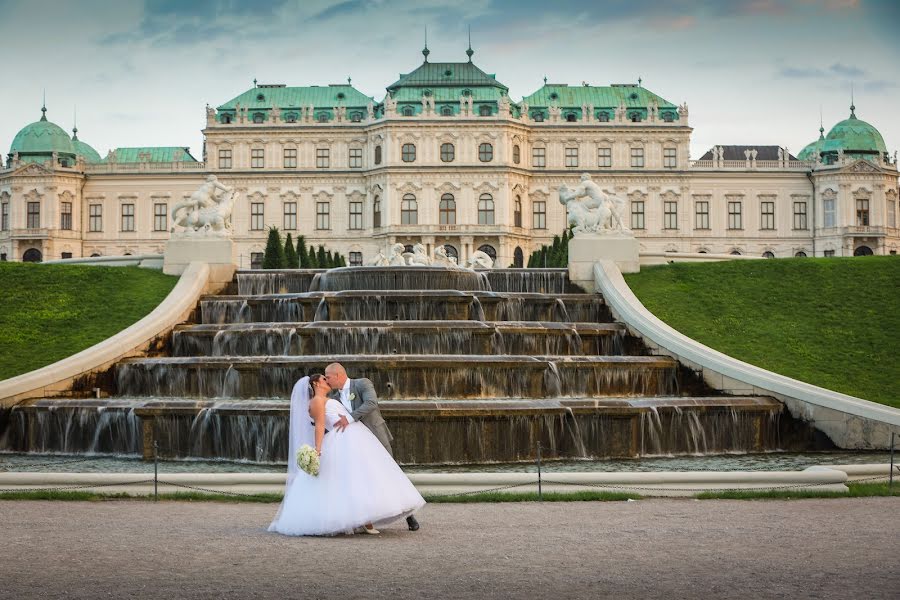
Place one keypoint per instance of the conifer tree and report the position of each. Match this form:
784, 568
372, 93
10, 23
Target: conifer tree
274, 255
321, 258
329, 258
302, 255
313, 260
291, 260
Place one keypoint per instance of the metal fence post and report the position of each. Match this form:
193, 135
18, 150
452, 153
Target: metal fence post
155, 471
540, 487
891, 476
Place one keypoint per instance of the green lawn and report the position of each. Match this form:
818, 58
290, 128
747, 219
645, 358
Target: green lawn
832, 322
49, 312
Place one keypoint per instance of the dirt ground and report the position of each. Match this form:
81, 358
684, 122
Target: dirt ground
835, 548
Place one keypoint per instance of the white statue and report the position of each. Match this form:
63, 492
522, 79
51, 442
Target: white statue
480, 260
599, 212
207, 210
418, 257
370, 111
396, 258
379, 260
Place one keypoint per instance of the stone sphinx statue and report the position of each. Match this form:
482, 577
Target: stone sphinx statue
591, 210
480, 260
207, 211
418, 257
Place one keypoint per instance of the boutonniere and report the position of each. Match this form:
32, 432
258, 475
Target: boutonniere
352, 396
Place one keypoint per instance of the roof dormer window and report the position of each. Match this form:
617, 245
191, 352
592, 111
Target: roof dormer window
446, 111
668, 117
571, 117
260, 97
635, 116
484, 110
408, 111
603, 116
322, 117
341, 96
258, 117
290, 117
537, 117
356, 117
554, 96
225, 118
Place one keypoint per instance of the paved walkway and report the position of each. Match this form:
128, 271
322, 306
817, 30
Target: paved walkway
651, 548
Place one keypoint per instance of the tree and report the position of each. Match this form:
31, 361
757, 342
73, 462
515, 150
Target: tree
313, 260
321, 259
274, 255
291, 260
329, 258
302, 255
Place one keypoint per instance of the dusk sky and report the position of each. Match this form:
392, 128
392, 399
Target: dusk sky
751, 71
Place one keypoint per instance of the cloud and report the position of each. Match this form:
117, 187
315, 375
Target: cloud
878, 86
837, 70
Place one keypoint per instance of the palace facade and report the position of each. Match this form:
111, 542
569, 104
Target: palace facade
448, 158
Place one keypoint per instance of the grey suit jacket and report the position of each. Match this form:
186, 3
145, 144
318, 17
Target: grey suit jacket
364, 402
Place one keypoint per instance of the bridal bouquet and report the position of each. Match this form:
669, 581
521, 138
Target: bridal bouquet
308, 460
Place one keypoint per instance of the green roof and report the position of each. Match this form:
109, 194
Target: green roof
84, 150
853, 135
329, 96
42, 137
812, 149
447, 94
600, 96
454, 75
154, 154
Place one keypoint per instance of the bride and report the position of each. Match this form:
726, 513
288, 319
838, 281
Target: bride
358, 485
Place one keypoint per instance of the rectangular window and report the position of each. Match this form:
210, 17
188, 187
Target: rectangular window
355, 158
95, 217
829, 253
604, 157
66, 255
34, 215
290, 158
356, 212
538, 157
290, 215
160, 216
701, 213
800, 215
891, 213
539, 211
862, 213
323, 215
670, 214
4, 216
257, 158
670, 158
356, 259
571, 157
257, 216
767, 215
829, 212
734, 216
323, 158
256, 260
224, 159
128, 217
65, 216
637, 158
637, 214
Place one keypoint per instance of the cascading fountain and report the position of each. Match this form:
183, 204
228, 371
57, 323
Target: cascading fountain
470, 366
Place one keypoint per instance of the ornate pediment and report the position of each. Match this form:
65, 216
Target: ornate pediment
863, 166
290, 196
408, 188
637, 196
32, 169
539, 193
670, 196
447, 188
323, 195
486, 187
518, 189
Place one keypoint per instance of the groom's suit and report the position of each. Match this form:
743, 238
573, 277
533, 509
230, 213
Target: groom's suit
364, 407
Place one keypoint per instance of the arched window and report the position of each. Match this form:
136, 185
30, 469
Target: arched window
377, 155
322, 117
225, 118
408, 152
485, 152
409, 210
32, 255
635, 116
258, 117
408, 111
603, 116
800, 254
735, 253
95, 255
290, 117
518, 258
489, 250
517, 212
863, 251
571, 117
356, 117
376, 212
668, 117
768, 254
446, 111
485, 210
517, 154
448, 152
484, 110
447, 210
537, 117
452, 252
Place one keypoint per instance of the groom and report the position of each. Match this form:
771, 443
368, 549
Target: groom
359, 398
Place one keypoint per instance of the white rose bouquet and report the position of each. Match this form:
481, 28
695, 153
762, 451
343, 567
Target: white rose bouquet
308, 460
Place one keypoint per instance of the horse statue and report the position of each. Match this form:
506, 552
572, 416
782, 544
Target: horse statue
208, 209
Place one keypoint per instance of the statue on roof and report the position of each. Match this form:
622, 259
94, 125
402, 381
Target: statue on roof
207, 211
370, 111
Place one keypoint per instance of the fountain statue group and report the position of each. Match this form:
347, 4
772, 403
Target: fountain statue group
207, 211
398, 256
591, 210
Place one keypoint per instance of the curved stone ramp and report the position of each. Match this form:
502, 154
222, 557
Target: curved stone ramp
850, 422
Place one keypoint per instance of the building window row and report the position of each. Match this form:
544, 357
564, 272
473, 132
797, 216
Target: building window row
65, 216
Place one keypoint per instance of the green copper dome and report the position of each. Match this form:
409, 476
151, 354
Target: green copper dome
812, 149
84, 150
42, 138
854, 136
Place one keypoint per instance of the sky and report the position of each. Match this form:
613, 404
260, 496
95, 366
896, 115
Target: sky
140, 73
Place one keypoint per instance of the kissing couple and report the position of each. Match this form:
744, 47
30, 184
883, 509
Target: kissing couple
359, 485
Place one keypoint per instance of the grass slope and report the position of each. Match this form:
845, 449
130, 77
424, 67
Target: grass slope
832, 322
49, 312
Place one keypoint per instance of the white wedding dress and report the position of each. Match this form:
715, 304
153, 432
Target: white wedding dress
358, 481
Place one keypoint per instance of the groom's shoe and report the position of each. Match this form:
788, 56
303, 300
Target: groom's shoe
412, 523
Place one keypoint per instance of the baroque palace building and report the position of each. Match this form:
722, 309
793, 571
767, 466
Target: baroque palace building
448, 158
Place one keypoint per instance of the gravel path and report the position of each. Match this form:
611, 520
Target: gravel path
651, 548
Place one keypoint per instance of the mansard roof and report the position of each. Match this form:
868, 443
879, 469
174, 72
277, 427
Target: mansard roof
280, 96
611, 96
447, 74
737, 153
154, 154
